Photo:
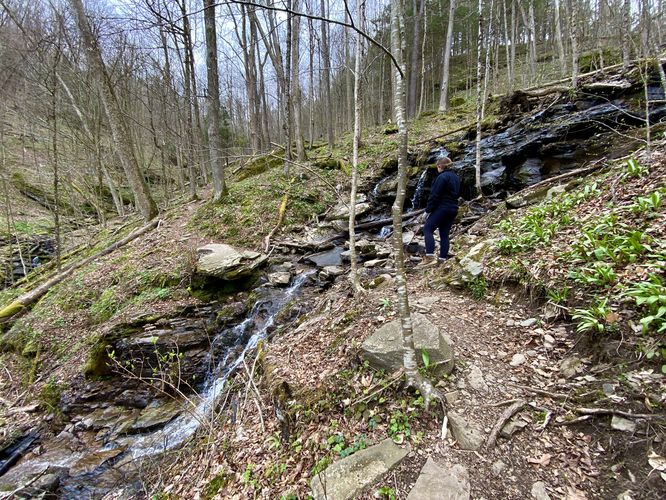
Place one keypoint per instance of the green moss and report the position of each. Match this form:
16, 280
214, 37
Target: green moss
105, 307
260, 165
215, 484
98, 363
50, 395
329, 164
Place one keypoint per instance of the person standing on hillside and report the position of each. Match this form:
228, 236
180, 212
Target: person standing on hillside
441, 210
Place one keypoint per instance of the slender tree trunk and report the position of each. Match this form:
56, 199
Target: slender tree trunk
326, 55
512, 62
479, 48
213, 101
349, 81
444, 96
418, 7
355, 278
288, 115
533, 49
558, 38
311, 87
249, 59
296, 83
423, 97
626, 33
119, 128
412, 375
486, 70
573, 33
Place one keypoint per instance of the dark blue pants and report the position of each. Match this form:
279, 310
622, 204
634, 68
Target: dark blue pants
442, 219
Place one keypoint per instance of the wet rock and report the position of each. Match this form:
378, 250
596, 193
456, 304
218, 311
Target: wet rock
441, 483
468, 436
227, 263
91, 461
349, 476
622, 424
329, 273
539, 492
280, 278
156, 415
383, 348
328, 258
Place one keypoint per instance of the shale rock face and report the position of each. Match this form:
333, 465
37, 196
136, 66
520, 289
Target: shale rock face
383, 349
227, 263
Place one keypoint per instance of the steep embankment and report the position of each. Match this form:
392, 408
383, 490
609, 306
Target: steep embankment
113, 359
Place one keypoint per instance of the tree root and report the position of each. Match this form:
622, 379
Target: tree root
501, 422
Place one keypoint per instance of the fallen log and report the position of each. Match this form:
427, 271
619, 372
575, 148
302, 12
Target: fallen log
27, 299
450, 132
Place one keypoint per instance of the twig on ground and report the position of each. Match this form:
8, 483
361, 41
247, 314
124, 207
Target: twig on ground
502, 403
504, 418
397, 375
541, 392
608, 411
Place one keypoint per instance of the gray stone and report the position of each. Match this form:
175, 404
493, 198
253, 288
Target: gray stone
227, 263
330, 272
539, 491
383, 348
518, 359
452, 397
528, 322
569, 367
341, 211
348, 477
472, 263
476, 380
330, 257
512, 427
622, 424
468, 436
374, 262
280, 278
498, 467
609, 389
440, 483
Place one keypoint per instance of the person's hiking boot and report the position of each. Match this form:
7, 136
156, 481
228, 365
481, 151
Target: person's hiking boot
429, 260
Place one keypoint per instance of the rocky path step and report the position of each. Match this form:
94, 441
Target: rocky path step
348, 477
440, 483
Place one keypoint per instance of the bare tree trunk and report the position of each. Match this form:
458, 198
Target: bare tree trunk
354, 275
249, 59
558, 38
533, 50
189, 127
418, 7
213, 98
626, 33
573, 33
326, 55
295, 82
444, 96
512, 62
423, 97
119, 128
479, 48
311, 87
349, 85
486, 70
412, 375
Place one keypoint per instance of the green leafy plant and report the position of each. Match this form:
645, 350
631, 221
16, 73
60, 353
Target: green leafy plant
558, 295
478, 287
384, 304
599, 274
596, 319
635, 169
651, 297
386, 493
399, 425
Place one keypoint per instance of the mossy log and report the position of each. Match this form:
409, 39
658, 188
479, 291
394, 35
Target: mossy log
28, 299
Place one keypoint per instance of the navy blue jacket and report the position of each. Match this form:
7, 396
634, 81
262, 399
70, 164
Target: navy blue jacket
444, 192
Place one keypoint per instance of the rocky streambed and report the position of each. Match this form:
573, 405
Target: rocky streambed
153, 382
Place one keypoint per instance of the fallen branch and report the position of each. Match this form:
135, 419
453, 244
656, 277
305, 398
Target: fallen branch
281, 212
504, 418
26, 300
397, 375
450, 132
608, 411
541, 392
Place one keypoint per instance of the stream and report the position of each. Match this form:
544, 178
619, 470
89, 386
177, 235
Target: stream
107, 448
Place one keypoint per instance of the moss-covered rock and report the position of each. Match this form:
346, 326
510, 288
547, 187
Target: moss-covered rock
260, 165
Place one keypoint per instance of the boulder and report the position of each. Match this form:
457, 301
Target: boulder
383, 348
440, 483
280, 278
468, 436
227, 263
329, 273
348, 477
472, 263
341, 210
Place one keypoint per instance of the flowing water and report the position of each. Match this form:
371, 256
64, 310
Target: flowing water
127, 454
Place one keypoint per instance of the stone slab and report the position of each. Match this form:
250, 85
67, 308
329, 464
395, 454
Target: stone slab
348, 477
440, 483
